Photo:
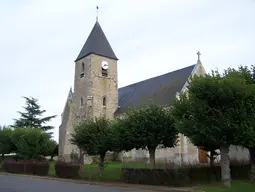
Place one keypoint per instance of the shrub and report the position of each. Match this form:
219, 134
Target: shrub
28, 167
7, 157
67, 170
12, 166
41, 168
181, 176
36, 167
4, 166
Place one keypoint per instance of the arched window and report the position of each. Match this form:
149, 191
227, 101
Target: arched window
81, 102
82, 70
82, 67
104, 101
104, 72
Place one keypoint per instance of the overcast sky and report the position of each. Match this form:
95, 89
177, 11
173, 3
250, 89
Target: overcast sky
40, 39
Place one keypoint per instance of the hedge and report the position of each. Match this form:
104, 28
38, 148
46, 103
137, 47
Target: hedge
181, 176
33, 167
67, 170
178, 176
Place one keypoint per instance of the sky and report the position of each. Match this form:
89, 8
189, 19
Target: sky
39, 41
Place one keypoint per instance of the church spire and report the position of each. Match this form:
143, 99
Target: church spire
97, 43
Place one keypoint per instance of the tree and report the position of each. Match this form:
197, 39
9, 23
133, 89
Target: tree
94, 137
54, 152
6, 145
32, 116
32, 143
248, 136
181, 111
213, 110
148, 127
15, 137
123, 134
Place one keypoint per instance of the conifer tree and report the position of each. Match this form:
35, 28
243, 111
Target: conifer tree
32, 117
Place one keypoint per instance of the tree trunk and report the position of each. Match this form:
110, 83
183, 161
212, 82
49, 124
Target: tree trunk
252, 163
225, 166
101, 165
152, 157
211, 158
81, 157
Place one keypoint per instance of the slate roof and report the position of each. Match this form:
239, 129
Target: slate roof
97, 43
160, 90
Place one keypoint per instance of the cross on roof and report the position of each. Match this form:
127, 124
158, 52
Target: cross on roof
198, 55
97, 13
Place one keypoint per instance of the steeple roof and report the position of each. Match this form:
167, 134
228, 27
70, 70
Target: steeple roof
97, 43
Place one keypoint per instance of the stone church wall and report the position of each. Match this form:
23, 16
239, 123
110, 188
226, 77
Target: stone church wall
63, 127
104, 87
237, 153
68, 147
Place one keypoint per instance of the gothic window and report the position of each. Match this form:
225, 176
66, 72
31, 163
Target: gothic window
104, 101
82, 67
104, 72
82, 70
81, 102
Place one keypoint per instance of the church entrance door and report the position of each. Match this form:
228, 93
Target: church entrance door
202, 155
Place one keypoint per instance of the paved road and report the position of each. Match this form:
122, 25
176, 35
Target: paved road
25, 184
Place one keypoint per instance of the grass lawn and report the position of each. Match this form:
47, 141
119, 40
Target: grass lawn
237, 186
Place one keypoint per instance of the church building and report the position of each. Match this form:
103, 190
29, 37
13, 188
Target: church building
96, 93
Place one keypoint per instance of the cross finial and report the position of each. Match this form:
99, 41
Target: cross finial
198, 55
97, 13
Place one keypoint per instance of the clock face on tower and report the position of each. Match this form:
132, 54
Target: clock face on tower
105, 65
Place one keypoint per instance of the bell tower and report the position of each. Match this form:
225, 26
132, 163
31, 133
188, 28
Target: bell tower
96, 77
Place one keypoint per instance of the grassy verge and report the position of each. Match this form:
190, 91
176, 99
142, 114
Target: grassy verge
237, 186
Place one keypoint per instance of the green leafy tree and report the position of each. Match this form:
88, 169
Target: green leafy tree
6, 145
15, 137
248, 127
123, 134
32, 143
147, 127
54, 152
32, 117
213, 111
180, 112
94, 137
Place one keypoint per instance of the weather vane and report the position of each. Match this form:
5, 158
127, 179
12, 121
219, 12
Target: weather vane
97, 13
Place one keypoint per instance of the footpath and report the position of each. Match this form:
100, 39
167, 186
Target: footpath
106, 184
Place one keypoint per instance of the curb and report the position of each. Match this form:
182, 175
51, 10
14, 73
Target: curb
115, 185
